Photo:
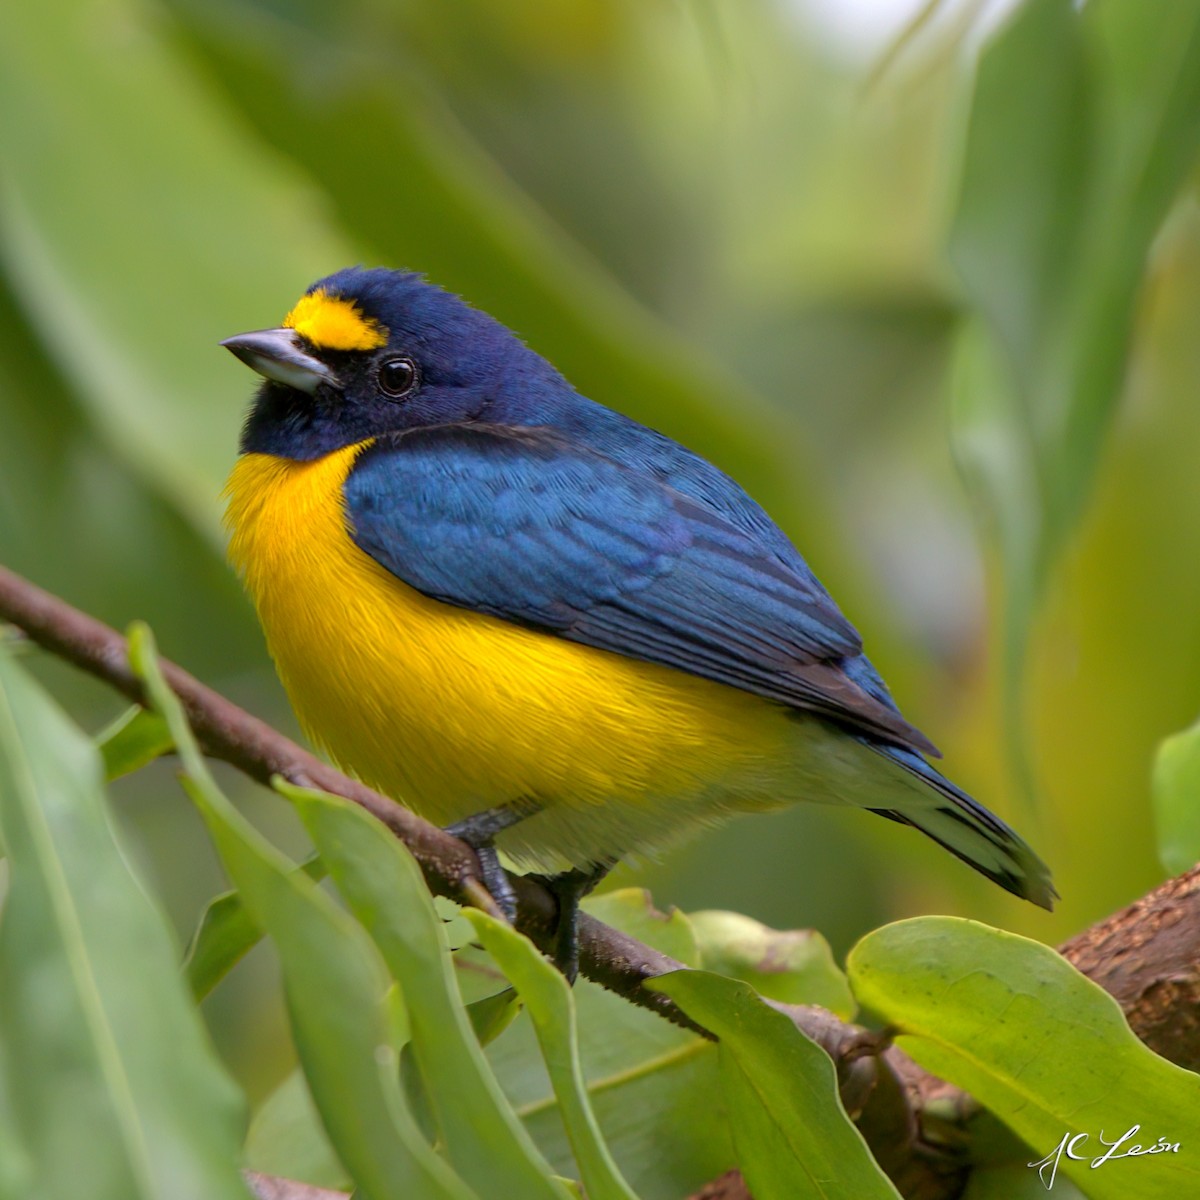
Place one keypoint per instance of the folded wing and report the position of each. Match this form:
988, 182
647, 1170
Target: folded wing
524, 525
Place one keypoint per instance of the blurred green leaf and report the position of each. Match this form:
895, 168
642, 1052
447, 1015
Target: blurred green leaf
16, 1166
1015, 239
132, 290
1016, 1181
1043, 1047
574, 138
135, 738
632, 911
653, 1086
287, 1138
780, 1094
337, 988
383, 886
794, 966
113, 1085
226, 933
547, 997
1084, 123
1016, 232
75, 520
1177, 800
1148, 124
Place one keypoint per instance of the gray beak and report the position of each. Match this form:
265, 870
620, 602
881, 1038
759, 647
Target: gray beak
277, 354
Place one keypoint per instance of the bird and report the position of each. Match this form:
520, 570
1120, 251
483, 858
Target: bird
557, 633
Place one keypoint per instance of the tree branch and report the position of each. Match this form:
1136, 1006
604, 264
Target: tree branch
1147, 956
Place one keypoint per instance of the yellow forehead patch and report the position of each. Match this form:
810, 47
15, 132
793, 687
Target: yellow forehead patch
334, 323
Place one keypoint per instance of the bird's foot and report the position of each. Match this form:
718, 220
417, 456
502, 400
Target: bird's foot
479, 832
569, 888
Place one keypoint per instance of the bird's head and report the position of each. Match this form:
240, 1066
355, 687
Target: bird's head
369, 352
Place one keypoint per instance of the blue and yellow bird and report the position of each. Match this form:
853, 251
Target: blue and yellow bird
537, 622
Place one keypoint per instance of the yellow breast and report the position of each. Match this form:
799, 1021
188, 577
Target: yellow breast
454, 712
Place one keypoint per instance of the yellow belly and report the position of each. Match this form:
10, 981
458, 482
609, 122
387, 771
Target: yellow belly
453, 712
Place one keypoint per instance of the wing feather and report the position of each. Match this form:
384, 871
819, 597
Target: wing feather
525, 525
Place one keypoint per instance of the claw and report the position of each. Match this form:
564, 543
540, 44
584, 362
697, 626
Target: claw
569, 888
479, 832
496, 880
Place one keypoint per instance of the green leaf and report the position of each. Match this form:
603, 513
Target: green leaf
1016, 231
793, 1138
287, 1138
794, 966
1043, 1047
338, 991
547, 997
632, 911
492, 1015
135, 738
226, 933
109, 1076
1016, 239
1084, 123
1176, 786
1147, 62
651, 1084
384, 887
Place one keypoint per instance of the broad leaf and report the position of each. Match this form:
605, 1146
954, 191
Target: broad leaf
547, 998
1084, 123
653, 1086
1017, 1181
137, 737
1177, 800
794, 966
287, 1138
1037, 1043
492, 1015
780, 1094
110, 1081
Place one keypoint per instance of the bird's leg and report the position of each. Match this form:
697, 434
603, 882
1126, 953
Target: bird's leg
569, 888
479, 832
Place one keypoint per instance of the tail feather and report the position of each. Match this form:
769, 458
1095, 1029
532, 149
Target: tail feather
971, 833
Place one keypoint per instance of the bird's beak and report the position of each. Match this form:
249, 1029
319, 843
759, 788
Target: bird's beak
278, 354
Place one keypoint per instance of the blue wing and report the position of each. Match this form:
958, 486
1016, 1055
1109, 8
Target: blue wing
528, 526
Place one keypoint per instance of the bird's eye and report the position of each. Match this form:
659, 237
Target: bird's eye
397, 376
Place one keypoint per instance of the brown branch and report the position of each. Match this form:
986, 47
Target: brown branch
1147, 956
